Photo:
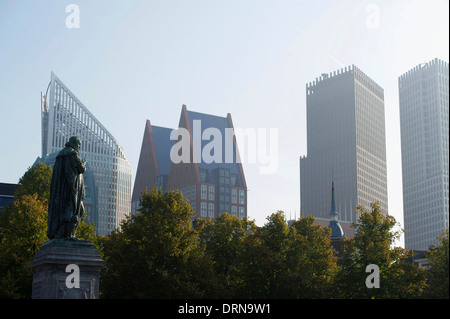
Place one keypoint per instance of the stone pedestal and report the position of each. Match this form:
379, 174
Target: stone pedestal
59, 264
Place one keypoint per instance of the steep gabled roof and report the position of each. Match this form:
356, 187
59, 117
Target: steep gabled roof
224, 125
162, 144
154, 159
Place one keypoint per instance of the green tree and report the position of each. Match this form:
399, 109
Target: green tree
316, 272
262, 258
23, 230
438, 258
223, 240
282, 262
36, 180
156, 253
373, 245
255, 269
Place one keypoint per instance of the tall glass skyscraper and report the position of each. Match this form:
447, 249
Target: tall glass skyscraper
63, 116
424, 120
346, 145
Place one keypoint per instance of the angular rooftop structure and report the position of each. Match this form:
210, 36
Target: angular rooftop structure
63, 115
200, 159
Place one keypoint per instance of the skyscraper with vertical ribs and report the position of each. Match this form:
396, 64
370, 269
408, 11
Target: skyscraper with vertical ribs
109, 189
423, 97
345, 143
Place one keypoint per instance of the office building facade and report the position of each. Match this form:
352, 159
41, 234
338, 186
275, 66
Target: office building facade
63, 116
345, 143
424, 121
212, 187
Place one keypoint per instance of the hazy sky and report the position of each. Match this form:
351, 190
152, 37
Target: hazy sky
135, 60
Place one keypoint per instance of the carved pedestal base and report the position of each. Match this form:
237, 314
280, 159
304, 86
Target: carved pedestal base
66, 269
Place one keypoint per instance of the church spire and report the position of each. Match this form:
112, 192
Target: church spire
336, 229
333, 212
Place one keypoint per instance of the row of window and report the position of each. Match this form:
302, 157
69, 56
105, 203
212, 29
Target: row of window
208, 210
208, 193
207, 207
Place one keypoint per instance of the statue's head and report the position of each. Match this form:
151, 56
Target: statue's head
74, 142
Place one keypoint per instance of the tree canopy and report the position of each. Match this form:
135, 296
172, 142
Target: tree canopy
163, 252
152, 254
36, 180
372, 245
438, 258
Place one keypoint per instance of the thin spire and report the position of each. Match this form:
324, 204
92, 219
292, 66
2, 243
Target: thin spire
333, 211
333, 200
336, 229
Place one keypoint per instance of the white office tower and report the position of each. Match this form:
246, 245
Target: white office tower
423, 95
346, 145
63, 116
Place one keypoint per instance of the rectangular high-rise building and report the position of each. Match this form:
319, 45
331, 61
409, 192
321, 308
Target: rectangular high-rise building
346, 144
424, 121
108, 172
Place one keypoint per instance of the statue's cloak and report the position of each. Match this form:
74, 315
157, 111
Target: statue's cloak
66, 192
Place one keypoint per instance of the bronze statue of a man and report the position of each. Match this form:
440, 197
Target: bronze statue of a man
65, 207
